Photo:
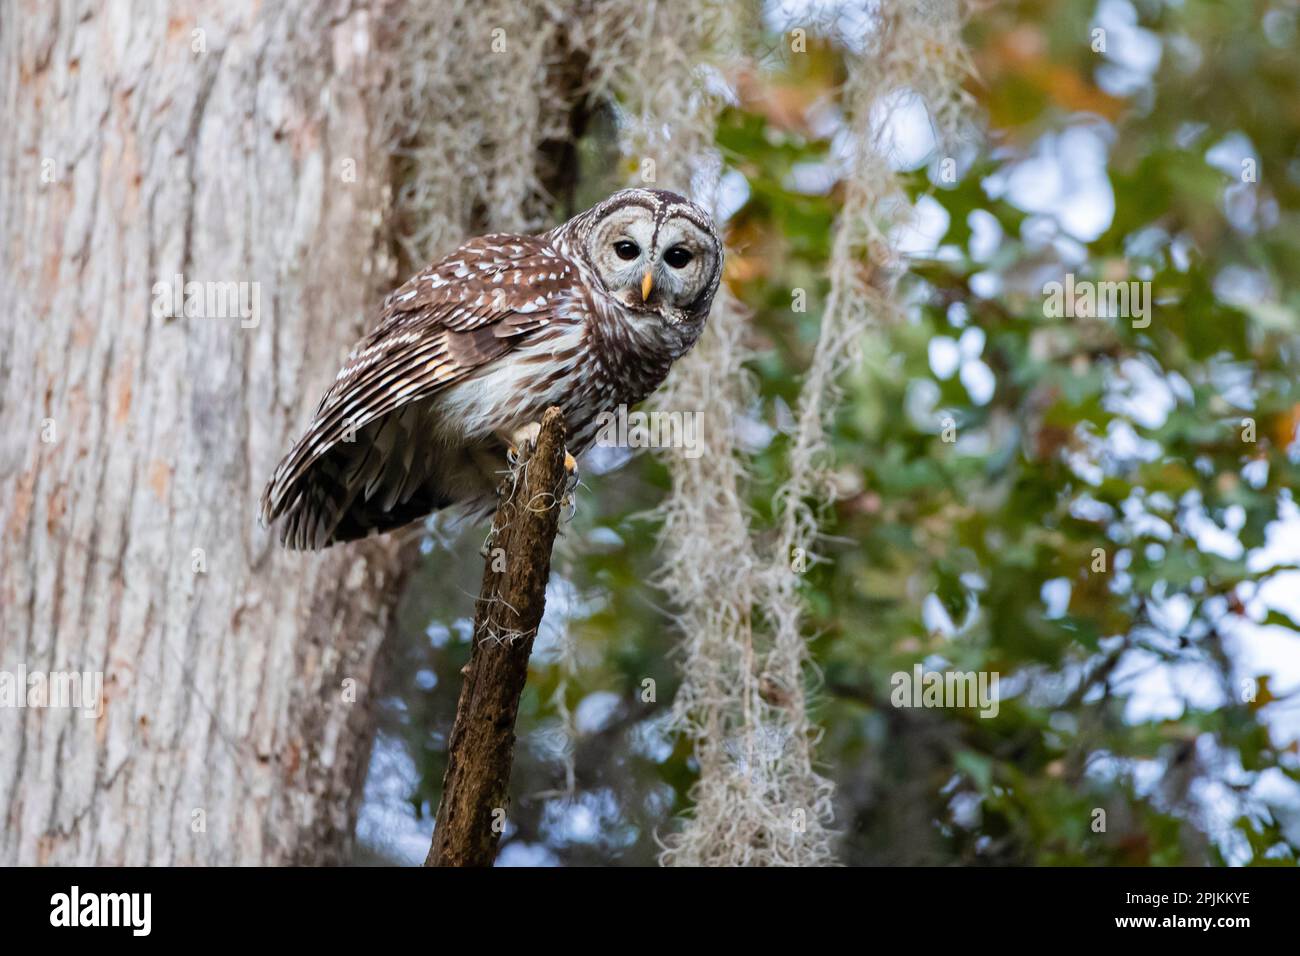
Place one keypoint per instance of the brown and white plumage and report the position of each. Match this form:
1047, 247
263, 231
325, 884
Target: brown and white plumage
478, 345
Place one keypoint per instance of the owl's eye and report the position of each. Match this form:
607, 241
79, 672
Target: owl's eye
626, 249
678, 256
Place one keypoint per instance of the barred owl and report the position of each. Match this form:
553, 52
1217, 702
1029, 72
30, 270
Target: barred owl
468, 354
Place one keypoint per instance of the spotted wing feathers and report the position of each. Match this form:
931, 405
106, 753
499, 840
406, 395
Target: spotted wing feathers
366, 461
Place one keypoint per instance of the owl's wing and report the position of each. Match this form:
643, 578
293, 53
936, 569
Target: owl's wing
459, 314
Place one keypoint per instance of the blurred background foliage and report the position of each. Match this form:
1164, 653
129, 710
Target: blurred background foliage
1074, 503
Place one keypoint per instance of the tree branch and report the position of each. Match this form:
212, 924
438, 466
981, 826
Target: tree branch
510, 606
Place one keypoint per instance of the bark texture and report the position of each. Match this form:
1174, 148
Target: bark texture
227, 143
510, 606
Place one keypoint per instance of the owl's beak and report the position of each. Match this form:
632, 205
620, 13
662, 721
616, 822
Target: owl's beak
647, 283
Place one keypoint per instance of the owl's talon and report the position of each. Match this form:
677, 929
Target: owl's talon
522, 437
568, 499
526, 435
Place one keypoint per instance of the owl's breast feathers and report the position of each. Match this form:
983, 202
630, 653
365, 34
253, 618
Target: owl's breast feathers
472, 347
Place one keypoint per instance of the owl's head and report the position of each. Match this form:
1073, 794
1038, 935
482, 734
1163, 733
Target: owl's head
655, 252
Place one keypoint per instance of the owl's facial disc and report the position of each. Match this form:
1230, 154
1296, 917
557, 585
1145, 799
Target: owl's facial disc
659, 270
619, 248
684, 260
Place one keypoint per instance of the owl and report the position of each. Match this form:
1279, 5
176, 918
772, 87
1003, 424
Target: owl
470, 352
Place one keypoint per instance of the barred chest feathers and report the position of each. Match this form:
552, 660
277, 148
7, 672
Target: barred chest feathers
588, 365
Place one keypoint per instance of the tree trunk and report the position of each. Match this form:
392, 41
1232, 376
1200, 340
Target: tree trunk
228, 143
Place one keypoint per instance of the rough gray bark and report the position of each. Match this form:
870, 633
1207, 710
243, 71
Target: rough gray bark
130, 543
510, 605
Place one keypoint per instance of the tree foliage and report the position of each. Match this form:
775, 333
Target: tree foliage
1078, 503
